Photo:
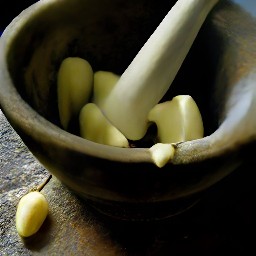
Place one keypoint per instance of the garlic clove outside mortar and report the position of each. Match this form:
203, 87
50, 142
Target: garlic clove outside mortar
31, 212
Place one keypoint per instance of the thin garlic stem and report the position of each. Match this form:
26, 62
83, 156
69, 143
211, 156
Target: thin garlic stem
41, 186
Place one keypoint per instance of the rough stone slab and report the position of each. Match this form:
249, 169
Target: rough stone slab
221, 223
69, 228
19, 172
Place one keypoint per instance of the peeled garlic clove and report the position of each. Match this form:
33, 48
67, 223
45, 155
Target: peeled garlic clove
177, 120
95, 127
75, 85
154, 68
162, 153
31, 212
104, 82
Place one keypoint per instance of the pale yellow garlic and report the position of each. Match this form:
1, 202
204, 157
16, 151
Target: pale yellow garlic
95, 127
149, 76
177, 120
104, 82
162, 153
31, 212
75, 85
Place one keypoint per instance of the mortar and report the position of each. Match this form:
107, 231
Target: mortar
124, 183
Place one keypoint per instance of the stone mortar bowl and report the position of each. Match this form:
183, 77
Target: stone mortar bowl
219, 73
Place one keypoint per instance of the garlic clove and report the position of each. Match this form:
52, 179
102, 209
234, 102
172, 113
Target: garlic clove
95, 127
104, 82
177, 120
31, 212
149, 76
75, 85
162, 153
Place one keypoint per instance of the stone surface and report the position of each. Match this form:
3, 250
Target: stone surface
221, 223
19, 172
68, 230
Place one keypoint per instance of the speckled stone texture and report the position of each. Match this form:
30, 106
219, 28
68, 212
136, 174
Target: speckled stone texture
69, 228
19, 172
221, 223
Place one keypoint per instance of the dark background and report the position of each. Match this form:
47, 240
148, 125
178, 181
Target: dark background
10, 9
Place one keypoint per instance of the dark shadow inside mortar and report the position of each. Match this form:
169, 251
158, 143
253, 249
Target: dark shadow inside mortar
109, 39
